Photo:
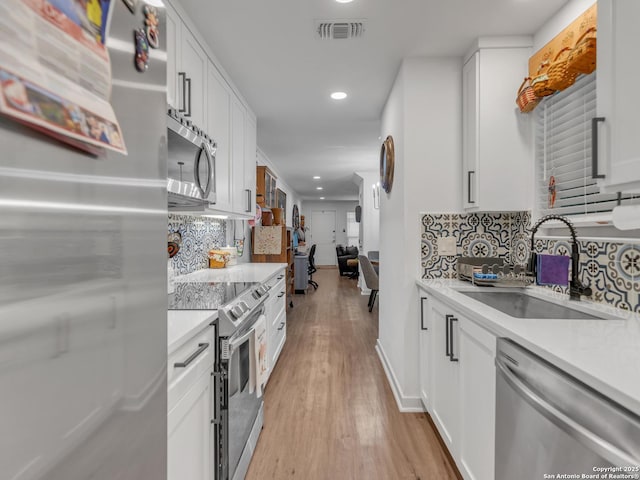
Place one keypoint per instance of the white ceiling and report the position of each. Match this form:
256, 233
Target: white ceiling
271, 51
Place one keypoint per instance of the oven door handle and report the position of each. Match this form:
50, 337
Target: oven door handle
234, 344
585, 436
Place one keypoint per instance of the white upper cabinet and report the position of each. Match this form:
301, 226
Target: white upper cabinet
192, 78
250, 154
198, 90
219, 128
237, 156
497, 147
174, 26
618, 155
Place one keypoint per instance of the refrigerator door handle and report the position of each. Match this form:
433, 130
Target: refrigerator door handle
188, 112
183, 76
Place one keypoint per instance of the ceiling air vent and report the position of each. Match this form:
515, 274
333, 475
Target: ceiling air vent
339, 30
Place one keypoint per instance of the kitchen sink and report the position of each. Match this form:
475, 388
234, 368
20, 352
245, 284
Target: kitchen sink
520, 304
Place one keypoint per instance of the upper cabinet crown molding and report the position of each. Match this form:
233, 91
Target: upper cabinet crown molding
510, 41
617, 158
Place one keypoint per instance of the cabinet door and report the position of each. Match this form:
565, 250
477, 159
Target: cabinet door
190, 449
445, 389
193, 62
173, 50
425, 351
250, 162
476, 446
218, 125
237, 155
470, 147
618, 43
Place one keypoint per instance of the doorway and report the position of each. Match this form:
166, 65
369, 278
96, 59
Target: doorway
323, 234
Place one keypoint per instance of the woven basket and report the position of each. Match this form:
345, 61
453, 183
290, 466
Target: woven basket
527, 99
560, 77
582, 58
540, 83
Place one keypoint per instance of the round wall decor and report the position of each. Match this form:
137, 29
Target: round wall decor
387, 159
295, 218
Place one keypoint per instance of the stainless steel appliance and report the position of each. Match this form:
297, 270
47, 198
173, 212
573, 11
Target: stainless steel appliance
547, 422
191, 183
83, 331
238, 408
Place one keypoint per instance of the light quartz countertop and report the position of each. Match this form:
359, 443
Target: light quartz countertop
604, 354
184, 324
243, 272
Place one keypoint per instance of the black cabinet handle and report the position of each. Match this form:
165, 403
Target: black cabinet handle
451, 355
422, 327
281, 294
183, 75
188, 82
281, 326
248, 200
469, 173
594, 147
201, 348
446, 332
280, 277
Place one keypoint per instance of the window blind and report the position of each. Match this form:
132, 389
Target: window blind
563, 151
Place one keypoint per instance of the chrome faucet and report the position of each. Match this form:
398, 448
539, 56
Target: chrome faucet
576, 288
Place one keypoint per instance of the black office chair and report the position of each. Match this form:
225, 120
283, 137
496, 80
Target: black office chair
312, 266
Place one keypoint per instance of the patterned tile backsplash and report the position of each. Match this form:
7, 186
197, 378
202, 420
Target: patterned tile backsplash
199, 235
610, 268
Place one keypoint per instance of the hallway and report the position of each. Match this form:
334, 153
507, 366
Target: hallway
329, 411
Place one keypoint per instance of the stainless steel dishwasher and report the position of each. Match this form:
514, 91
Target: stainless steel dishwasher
548, 422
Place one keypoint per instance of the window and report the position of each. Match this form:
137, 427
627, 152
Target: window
563, 154
353, 229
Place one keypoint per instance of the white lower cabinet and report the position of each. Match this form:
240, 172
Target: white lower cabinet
276, 313
425, 350
477, 401
190, 442
190, 401
457, 377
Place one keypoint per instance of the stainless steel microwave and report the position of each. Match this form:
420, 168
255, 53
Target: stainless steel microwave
191, 183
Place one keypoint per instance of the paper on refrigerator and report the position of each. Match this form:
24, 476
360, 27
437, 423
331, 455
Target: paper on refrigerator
55, 72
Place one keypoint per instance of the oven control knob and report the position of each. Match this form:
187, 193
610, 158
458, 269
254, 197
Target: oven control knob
236, 311
244, 306
264, 289
258, 292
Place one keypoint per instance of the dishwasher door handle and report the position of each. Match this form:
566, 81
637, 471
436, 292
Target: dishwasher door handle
564, 422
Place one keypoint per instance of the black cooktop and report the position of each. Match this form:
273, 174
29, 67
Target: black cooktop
205, 295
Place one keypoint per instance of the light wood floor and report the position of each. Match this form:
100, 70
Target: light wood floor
329, 411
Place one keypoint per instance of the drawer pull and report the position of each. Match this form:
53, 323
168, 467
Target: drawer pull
281, 326
281, 294
201, 348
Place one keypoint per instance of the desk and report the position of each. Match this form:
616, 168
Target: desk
301, 278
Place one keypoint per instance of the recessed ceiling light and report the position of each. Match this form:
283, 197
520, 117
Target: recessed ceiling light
321, 198
338, 95
316, 177
318, 188
344, 1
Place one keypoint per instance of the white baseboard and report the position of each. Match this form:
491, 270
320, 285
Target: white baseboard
405, 403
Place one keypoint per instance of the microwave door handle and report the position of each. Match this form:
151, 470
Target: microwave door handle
196, 173
213, 179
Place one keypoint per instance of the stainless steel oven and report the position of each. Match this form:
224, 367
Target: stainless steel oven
549, 423
240, 406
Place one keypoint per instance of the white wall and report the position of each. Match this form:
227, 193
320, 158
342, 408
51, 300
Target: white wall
370, 219
424, 115
340, 207
567, 14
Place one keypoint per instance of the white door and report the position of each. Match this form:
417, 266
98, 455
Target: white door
323, 234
